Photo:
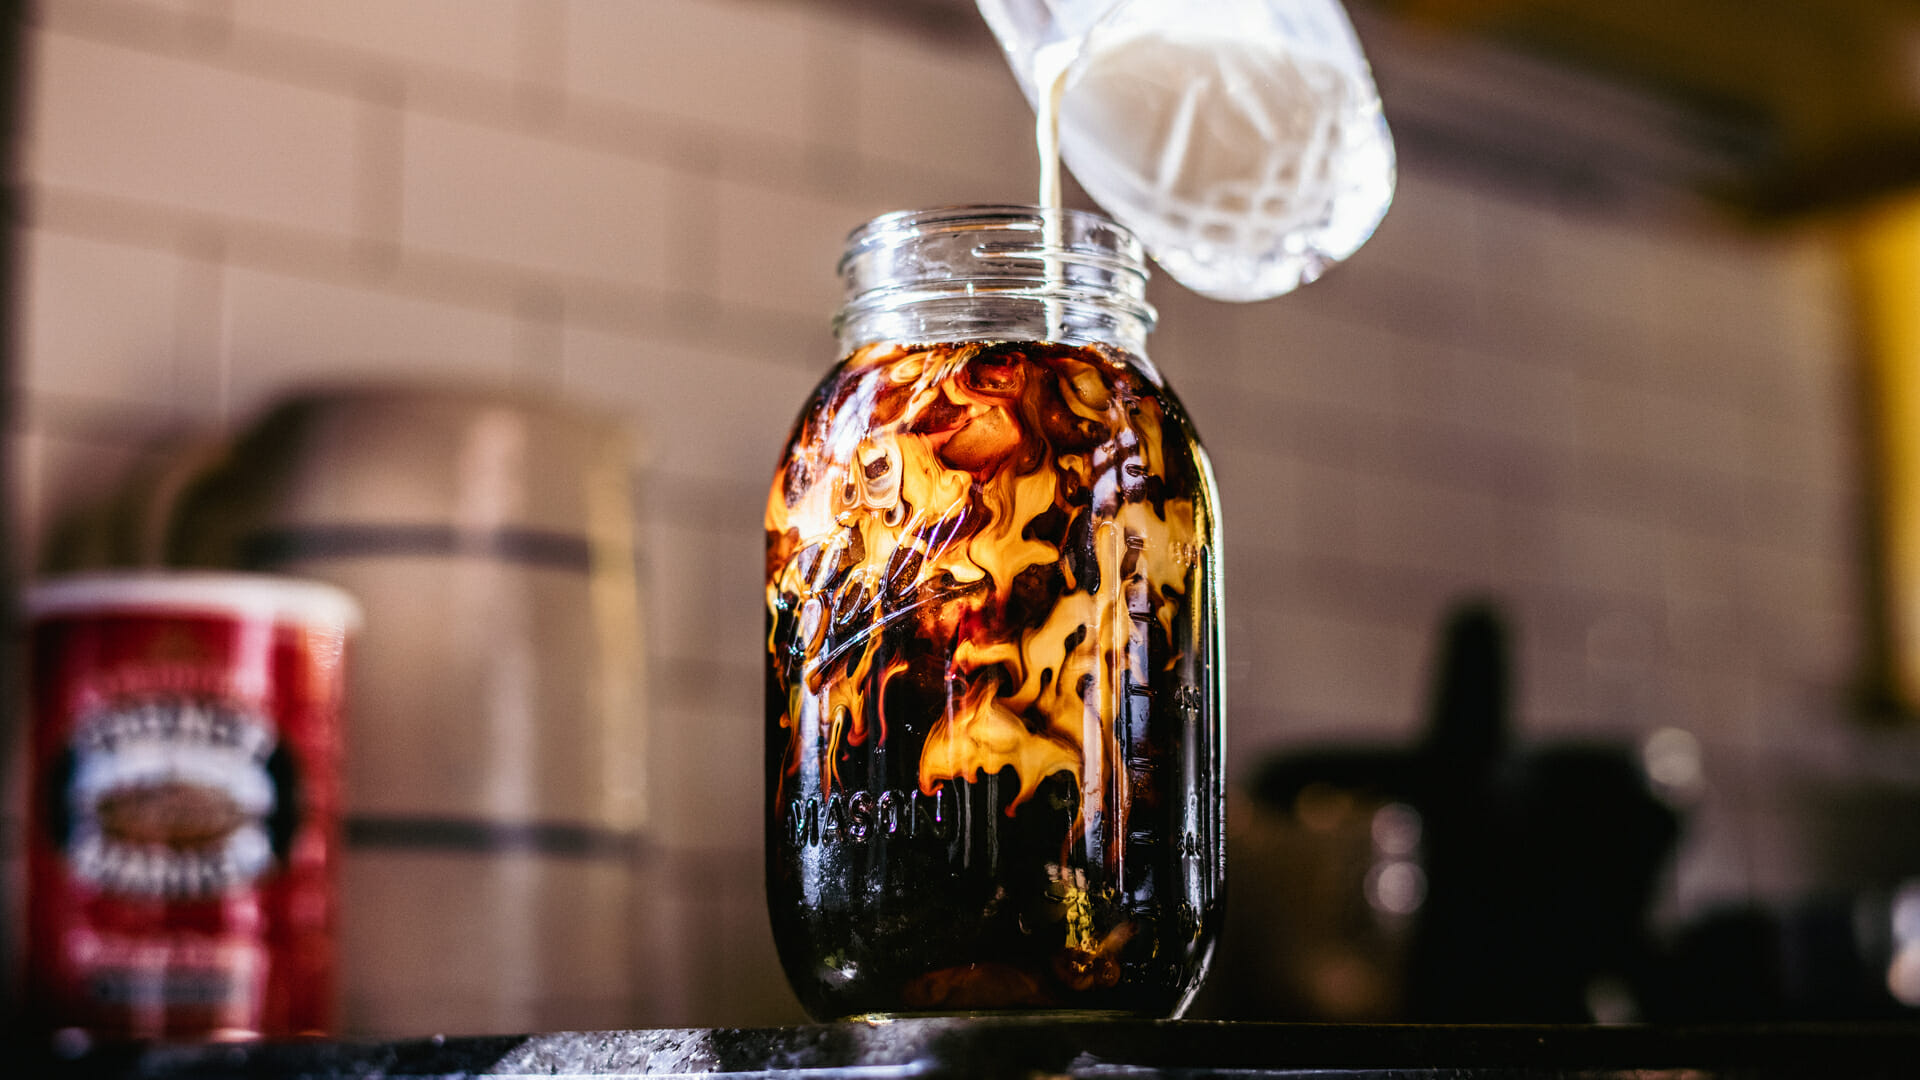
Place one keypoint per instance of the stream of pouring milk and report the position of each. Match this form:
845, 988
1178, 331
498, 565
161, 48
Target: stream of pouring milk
1051, 65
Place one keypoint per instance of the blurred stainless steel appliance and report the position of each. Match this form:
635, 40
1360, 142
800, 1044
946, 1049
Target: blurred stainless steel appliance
493, 795
1456, 880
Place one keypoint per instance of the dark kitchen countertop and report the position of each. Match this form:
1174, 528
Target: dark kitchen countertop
1030, 1047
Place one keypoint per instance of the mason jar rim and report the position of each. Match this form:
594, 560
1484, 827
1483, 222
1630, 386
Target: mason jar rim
1066, 260
1017, 216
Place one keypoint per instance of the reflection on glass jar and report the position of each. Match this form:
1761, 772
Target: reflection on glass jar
993, 698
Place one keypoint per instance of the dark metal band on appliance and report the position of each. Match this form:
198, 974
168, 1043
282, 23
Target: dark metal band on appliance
474, 836
271, 549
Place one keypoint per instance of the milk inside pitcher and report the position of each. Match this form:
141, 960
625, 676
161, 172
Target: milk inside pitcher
1241, 140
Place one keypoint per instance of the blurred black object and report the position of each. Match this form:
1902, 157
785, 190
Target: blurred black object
1539, 864
1818, 959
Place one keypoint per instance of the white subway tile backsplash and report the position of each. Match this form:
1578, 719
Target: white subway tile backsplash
1612, 417
202, 377
707, 758
1729, 286
491, 941
1610, 554
1719, 702
26, 455
708, 946
1367, 675
142, 127
535, 204
1458, 457
1818, 309
1524, 550
774, 249
1261, 506
1217, 408
698, 412
746, 996
1805, 620
705, 606
283, 332
887, 186
705, 588
100, 320
1433, 226
174, 20
1697, 434
1780, 580
733, 66
1195, 338
479, 36
1708, 364
1515, 245
1310, 358
1424, 527
1273, 335
1810, 433
1505, 397
1611, 345
1327, 518
1625, 647
941, 109
1550, 691
1699, 569
1484, 393
1706, 648
1814, 521
1603, 266
179, 7
1424, 380
1434, 307
65, 479
707, 754
1709, 503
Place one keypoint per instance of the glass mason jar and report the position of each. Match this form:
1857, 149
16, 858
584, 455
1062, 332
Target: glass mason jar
994, 716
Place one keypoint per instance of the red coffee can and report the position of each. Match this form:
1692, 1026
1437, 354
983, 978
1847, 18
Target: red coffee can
185, 783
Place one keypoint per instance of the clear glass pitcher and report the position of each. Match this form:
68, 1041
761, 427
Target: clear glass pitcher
1241, 140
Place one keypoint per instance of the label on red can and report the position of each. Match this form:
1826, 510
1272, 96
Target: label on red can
185, 755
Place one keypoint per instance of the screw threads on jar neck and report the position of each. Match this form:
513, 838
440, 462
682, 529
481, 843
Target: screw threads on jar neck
994, 273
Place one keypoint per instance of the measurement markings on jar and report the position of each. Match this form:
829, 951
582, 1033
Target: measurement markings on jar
1185, 554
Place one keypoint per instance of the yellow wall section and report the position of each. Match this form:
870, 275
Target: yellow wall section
1887, 254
